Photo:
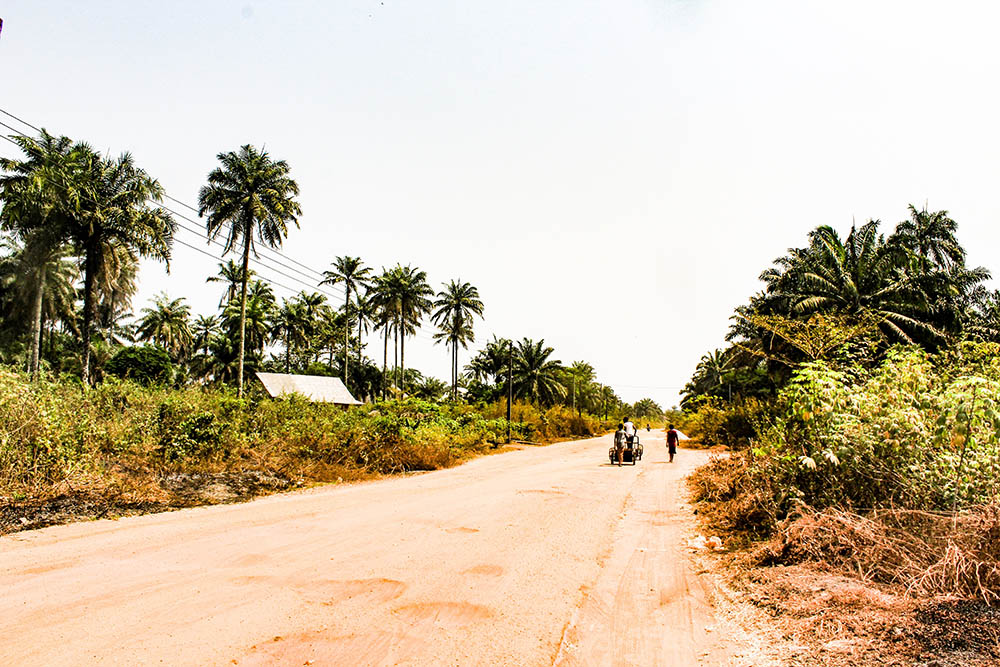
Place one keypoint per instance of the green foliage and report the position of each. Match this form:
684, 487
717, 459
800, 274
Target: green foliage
919, 431
716, 422
52, 433
145, 365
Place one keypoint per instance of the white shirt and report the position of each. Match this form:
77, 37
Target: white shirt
629, 428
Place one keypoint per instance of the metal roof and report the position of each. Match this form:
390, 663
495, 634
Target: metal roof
317, 388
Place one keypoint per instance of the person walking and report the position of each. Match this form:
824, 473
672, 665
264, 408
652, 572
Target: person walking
673, 438
619, 443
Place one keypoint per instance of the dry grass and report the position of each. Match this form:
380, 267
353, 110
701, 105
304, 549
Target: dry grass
927, 554
823, 618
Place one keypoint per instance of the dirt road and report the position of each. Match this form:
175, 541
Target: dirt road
535, 557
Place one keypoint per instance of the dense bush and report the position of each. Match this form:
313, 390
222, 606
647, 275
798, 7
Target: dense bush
716, 422
918, 431
145, 365
53, 434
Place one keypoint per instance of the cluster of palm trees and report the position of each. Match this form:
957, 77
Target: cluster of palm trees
526, 371
68, 210
75, 223
307, 334
71, 215
911, 287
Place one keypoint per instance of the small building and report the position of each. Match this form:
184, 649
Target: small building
317, 388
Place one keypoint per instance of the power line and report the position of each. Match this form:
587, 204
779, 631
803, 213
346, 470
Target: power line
293, 261
24, 122
256, 259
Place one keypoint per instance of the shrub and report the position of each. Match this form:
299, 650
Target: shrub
919, 431
145, 365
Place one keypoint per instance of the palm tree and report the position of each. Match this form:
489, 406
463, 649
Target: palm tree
409, 301
366, 310
167, 324
456, 305
33, 208
256, 319
579, 382
111, 199
249, 196
353, 274
288, 327
380, 297
313, 306
859, 274
930, 236
231, 274
202, 331
116, 285
536, 377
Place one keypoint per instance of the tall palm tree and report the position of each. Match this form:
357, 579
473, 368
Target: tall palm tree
579, 383
380, 297
33, 208
536, 377
352, 272
456, 305
112, 209
408, 301
250, 196
167, 324
366, 310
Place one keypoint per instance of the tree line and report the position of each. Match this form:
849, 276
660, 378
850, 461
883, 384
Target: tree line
75, 224
853, 296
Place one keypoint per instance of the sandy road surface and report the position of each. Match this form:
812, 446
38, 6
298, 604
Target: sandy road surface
535, 557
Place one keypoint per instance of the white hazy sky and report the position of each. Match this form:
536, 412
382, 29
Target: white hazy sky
612, 174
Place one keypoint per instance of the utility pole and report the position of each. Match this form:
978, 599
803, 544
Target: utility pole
510, 383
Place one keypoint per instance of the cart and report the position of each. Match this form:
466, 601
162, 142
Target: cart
631, 453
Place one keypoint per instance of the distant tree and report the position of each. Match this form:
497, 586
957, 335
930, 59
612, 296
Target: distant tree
202, 331
145, 365
354, 275
249, 196
536, 378
231, 274
647, 408
167, 324
254, 319
287, 327
456, 305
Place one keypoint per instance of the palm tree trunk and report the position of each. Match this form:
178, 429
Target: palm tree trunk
347, 329
402, 361
288, 353
36, 322
395, 357
385, 357
92, 263
359, 339
454, 371
243, 310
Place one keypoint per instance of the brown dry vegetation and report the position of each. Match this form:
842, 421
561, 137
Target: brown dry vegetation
891, 587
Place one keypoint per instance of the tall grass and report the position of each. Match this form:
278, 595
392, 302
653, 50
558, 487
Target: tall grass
120, 437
